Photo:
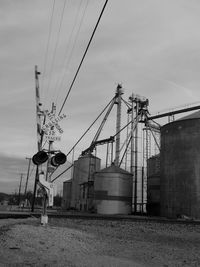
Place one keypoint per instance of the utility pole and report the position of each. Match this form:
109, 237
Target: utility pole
39, 132
118, 123
132, 143
50, 148
29, 164
20, 184
44, 217
136, 157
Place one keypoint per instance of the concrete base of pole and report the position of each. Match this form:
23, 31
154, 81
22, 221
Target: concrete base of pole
44, 219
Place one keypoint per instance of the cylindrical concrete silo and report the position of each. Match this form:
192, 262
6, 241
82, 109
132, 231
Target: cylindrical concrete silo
113, 191
83, 171
153, 185
180, 167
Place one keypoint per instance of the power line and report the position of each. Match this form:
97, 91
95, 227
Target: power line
48, 41
56, 45
68, 59
62, 173
70, 88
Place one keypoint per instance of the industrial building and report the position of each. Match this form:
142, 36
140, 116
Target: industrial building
163, 183
83, 181
180, 167
113, 191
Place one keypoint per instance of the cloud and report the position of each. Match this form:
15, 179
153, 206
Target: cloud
152, 47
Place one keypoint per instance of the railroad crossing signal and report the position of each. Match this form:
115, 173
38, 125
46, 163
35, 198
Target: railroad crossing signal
57, 159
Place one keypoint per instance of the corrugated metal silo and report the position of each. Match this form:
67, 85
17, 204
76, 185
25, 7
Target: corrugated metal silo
153, 185
83, 172
113, 191
180, 167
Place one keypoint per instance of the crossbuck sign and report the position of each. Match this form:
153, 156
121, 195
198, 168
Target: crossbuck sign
50, 135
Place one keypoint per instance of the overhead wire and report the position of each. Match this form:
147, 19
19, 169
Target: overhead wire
56, 46
62, 172
77, 74
48, 42
87, 129
86, 50
67, 59
69, 167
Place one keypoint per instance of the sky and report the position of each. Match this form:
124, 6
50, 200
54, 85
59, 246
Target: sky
150, 47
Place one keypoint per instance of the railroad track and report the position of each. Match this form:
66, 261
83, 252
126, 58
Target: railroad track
88, 216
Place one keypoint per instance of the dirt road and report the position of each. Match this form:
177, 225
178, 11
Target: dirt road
75, 242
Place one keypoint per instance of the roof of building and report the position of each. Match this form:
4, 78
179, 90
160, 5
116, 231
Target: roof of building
114, 169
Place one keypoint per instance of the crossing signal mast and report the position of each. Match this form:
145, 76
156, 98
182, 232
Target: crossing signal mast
52, 158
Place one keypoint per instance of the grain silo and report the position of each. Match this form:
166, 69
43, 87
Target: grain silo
180, 167
83, 177
153, 185
113, 191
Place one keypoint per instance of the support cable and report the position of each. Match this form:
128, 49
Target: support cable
70, 88
125, 151
90, 126
126, 103
136, 118
103, 122
86, 131
123, 128
130, 138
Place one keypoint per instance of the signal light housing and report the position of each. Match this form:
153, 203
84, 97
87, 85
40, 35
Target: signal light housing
40, 157
58, 159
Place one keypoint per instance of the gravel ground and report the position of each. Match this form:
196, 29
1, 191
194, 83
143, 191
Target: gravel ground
77, 242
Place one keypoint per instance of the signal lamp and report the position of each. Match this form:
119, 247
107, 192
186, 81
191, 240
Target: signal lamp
40, 157
58, 159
